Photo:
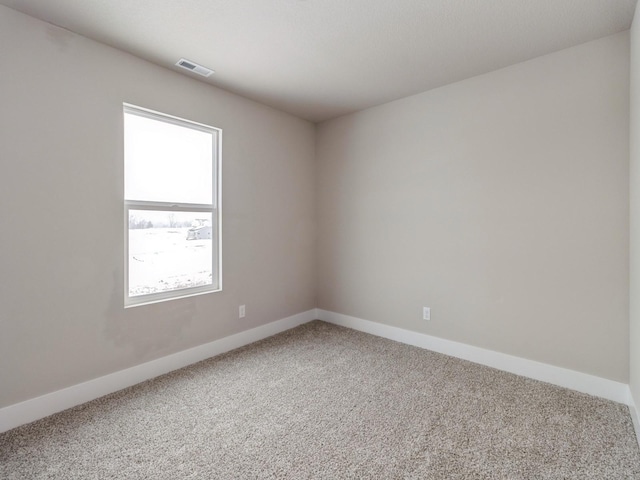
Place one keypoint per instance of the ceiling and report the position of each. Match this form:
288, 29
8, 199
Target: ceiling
319, 59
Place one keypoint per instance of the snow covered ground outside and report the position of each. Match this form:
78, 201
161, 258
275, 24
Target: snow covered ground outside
162, 259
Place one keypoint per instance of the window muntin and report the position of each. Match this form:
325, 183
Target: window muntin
171, 207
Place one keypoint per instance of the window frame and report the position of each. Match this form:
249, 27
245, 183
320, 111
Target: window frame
213, 208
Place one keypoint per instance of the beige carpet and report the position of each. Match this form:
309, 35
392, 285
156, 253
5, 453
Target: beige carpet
326, 402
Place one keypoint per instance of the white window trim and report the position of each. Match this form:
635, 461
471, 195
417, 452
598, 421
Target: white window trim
215, 208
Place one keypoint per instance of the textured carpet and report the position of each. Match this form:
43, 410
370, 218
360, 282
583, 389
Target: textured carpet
325, 402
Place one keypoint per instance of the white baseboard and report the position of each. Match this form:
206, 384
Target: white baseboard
45, 405
582, 382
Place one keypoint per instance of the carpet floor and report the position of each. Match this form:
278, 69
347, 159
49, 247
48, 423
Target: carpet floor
326, 402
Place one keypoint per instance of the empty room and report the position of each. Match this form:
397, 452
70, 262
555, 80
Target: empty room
319, 239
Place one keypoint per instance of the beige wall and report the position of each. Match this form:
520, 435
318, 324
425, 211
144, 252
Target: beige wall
62, 319
634, 177
500, 201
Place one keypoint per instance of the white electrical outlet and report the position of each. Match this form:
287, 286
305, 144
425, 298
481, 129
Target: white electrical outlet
426, 313
241, 311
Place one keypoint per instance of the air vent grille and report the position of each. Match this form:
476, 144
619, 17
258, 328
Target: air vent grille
185, 64
194, 67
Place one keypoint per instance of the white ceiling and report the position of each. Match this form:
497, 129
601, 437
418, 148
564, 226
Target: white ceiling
319, 59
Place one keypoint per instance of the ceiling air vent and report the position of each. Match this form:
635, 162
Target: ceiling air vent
194, 67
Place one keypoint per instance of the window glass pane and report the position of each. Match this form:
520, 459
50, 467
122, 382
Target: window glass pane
170, 250
167, 162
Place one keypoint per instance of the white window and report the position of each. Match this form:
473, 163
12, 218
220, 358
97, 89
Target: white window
172, 208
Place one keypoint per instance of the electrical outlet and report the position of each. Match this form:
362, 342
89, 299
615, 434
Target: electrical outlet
426, 313
241, 311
